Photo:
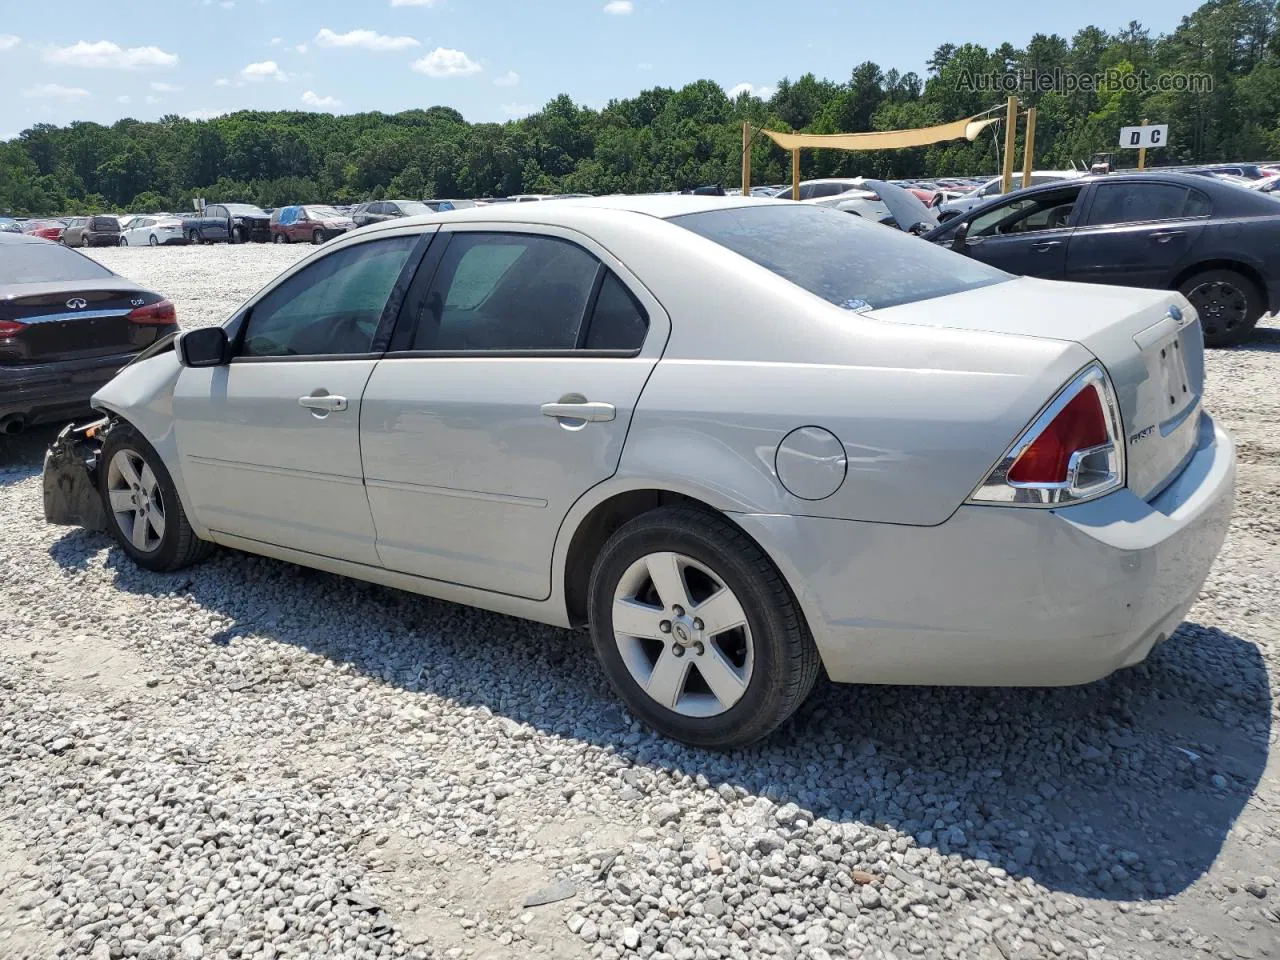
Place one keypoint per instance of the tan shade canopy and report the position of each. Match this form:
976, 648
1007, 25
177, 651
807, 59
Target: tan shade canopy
967, 129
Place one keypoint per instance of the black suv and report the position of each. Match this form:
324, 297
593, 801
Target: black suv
381, 211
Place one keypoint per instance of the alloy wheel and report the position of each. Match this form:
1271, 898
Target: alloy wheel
135, 500
683, 635
1222, 305
154, 241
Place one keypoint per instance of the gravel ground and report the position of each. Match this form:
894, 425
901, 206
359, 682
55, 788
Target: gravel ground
249, 759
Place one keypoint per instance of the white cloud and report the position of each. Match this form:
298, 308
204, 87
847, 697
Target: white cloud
222, 82
55, 91
516, 110
620, 8
151, 98
364, 39
8, 41
203, 114
301, 48
764, 93
164, 87
111, 56
276, 41
266, 70
124, 98
414, 3
227, 4
443, 62
313, 99
508, 79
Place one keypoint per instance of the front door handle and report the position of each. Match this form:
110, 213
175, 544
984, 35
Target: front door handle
1164, 236
590, 411
323, 403
1044, 245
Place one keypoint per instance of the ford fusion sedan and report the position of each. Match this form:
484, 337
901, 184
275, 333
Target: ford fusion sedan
744, 441
67, 324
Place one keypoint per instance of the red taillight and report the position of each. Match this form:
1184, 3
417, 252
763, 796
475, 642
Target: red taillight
159, 314
9, 327
1080, 425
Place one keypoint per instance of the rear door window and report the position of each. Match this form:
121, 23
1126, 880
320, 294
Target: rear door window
1115, 203
618, 322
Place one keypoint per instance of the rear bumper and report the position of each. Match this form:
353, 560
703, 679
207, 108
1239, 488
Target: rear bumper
1007, 596
106, 240
47, 392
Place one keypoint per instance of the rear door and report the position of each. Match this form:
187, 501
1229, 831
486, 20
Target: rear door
507, 394
1137, 234
270, 442
1026, 235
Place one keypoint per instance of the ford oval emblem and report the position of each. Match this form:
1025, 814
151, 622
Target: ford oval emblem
77, 303
1175, 311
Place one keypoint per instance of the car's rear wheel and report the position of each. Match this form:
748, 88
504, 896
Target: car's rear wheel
193, 237
317, 237
153, 240
697, 631
142, 506
1229, 305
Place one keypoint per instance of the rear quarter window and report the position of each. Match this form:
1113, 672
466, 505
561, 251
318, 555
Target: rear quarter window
845, 260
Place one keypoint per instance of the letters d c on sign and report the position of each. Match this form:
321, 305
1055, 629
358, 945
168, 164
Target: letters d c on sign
1150, 137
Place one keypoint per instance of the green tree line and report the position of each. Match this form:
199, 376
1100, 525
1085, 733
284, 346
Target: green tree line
665, 139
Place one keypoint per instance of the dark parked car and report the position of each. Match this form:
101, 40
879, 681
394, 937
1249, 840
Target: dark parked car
67, 324
229, 223
308, 224
1209, 239
99, 231
381, 211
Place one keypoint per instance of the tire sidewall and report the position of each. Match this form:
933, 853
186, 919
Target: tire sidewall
193, 237
766, 623
1254, 297
163, 557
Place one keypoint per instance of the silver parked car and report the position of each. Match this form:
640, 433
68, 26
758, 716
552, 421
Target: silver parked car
744, 440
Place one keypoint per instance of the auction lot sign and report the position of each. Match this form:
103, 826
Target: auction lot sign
1144, 137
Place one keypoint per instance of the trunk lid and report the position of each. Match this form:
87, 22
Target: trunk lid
1149, 341
61, 324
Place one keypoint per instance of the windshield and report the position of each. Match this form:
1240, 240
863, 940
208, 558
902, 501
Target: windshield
245, 209
323, 213
46, 263
846, 260
413, 208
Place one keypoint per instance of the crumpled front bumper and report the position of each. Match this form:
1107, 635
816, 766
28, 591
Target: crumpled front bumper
71, 496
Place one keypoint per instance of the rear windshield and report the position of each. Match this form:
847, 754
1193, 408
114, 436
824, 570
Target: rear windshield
840, 257
104, 223
46, 263
412, 208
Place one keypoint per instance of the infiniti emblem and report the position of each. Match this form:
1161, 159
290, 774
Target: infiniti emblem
76, 303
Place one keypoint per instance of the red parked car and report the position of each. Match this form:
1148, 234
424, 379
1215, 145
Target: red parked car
311, 223
45, 229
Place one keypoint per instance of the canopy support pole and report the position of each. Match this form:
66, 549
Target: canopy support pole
1029, 149
1010, 143
746, 158
795, 174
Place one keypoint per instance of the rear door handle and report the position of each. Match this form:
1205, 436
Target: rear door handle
323, 403
1164, 236
591, 411
1044, 245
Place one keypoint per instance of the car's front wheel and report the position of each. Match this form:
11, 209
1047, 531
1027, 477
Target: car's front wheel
280, 238
123, 242
317, 237
142, 506
697, 631
1229, 305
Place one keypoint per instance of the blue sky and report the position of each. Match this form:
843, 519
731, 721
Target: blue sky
64, 60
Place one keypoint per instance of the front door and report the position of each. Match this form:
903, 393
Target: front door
216, 224
270, 442
1027, 235
508, 398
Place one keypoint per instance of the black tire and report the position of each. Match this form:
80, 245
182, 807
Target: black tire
237, 234
280, 238
317, 237
193, 237
123, 242
153, 241
1229, 305
786, 663
179, 546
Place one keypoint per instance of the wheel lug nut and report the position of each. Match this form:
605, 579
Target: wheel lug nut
697, 624
665, 626
699, 649
678, 610
678, 650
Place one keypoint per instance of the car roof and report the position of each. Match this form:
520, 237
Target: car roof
568, 210
20, 238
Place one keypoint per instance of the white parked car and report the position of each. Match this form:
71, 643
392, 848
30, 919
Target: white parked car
745, 441
151, 231
848, 194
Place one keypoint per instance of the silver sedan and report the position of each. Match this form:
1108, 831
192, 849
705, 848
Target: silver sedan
745, 441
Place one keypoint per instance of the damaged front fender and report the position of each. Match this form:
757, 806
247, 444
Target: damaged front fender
71, 496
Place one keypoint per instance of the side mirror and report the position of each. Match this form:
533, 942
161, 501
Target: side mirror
960, 239
206, 347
